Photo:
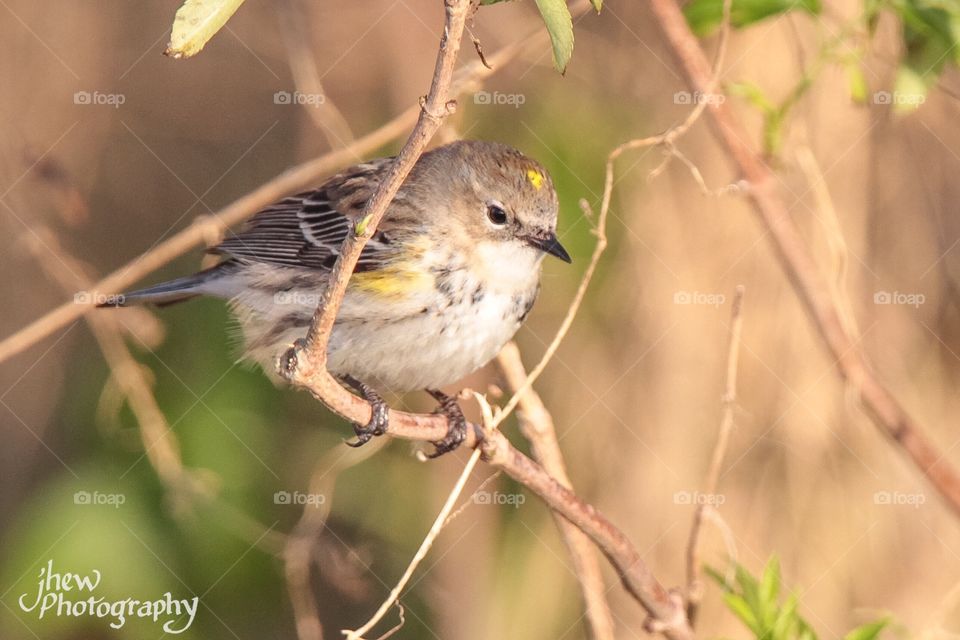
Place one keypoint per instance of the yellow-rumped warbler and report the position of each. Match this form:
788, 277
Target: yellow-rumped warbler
450, 274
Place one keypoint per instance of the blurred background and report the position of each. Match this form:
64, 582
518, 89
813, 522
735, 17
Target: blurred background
91, 183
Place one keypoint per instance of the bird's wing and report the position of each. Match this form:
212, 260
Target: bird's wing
307, 230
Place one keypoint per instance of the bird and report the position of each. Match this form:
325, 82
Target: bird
446, 280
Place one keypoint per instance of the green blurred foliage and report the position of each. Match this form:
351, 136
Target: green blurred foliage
705, 16
756, 603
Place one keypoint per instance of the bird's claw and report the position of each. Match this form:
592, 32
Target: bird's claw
379, 413
457, 430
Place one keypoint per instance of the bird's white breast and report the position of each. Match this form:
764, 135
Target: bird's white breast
432, 335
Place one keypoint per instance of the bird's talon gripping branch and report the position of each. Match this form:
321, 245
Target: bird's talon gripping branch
379, 413
457, 423
289, 360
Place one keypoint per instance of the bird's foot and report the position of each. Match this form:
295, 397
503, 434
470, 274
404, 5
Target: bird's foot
457, 430
379, 413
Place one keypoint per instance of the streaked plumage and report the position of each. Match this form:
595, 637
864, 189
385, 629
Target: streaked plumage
439, 289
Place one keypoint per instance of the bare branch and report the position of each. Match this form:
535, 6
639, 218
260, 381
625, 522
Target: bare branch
809, 282
306, 365
694, 581
666, 610
159, 442
421, 553
324, 113
536, 423
302, 541
292, 180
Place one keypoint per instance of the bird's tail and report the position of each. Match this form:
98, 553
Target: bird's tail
209, 281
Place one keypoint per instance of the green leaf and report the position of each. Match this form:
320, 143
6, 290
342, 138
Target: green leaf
752, 94
869, 631
704, 16
597, 5
909, 90
787, 620
196, 22
770, 582
806, 631
768, 592
742, 610
749, 588
718, 577
559, 23
857, 83
361, 227
930, 33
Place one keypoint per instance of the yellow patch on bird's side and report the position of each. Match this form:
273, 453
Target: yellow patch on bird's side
535, 178
394, 281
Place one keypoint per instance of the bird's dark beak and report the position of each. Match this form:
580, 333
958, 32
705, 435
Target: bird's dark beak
548, 243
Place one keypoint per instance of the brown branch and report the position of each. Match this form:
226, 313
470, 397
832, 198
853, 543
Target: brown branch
160, 445
302, 541
299, 177
694, 581
435, 529
305, 364
666, 610
537, 426
294, 24
808, 281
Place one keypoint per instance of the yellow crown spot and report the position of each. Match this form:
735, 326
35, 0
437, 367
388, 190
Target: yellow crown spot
535, 178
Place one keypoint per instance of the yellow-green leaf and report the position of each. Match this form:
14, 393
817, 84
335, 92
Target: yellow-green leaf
704, 16
196, 22
869, 631
559, 23
909, 90
857, 82
361, 227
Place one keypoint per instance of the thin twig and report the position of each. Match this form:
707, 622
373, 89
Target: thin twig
805, 275
296, 178
694, 580
421, 553
666, 610
537, 426
159, 442
319, 106
301, 542
832, 233
306, 365
551, 350
667, 139
667, 615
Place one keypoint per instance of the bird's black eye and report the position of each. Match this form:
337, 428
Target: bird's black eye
496, 214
